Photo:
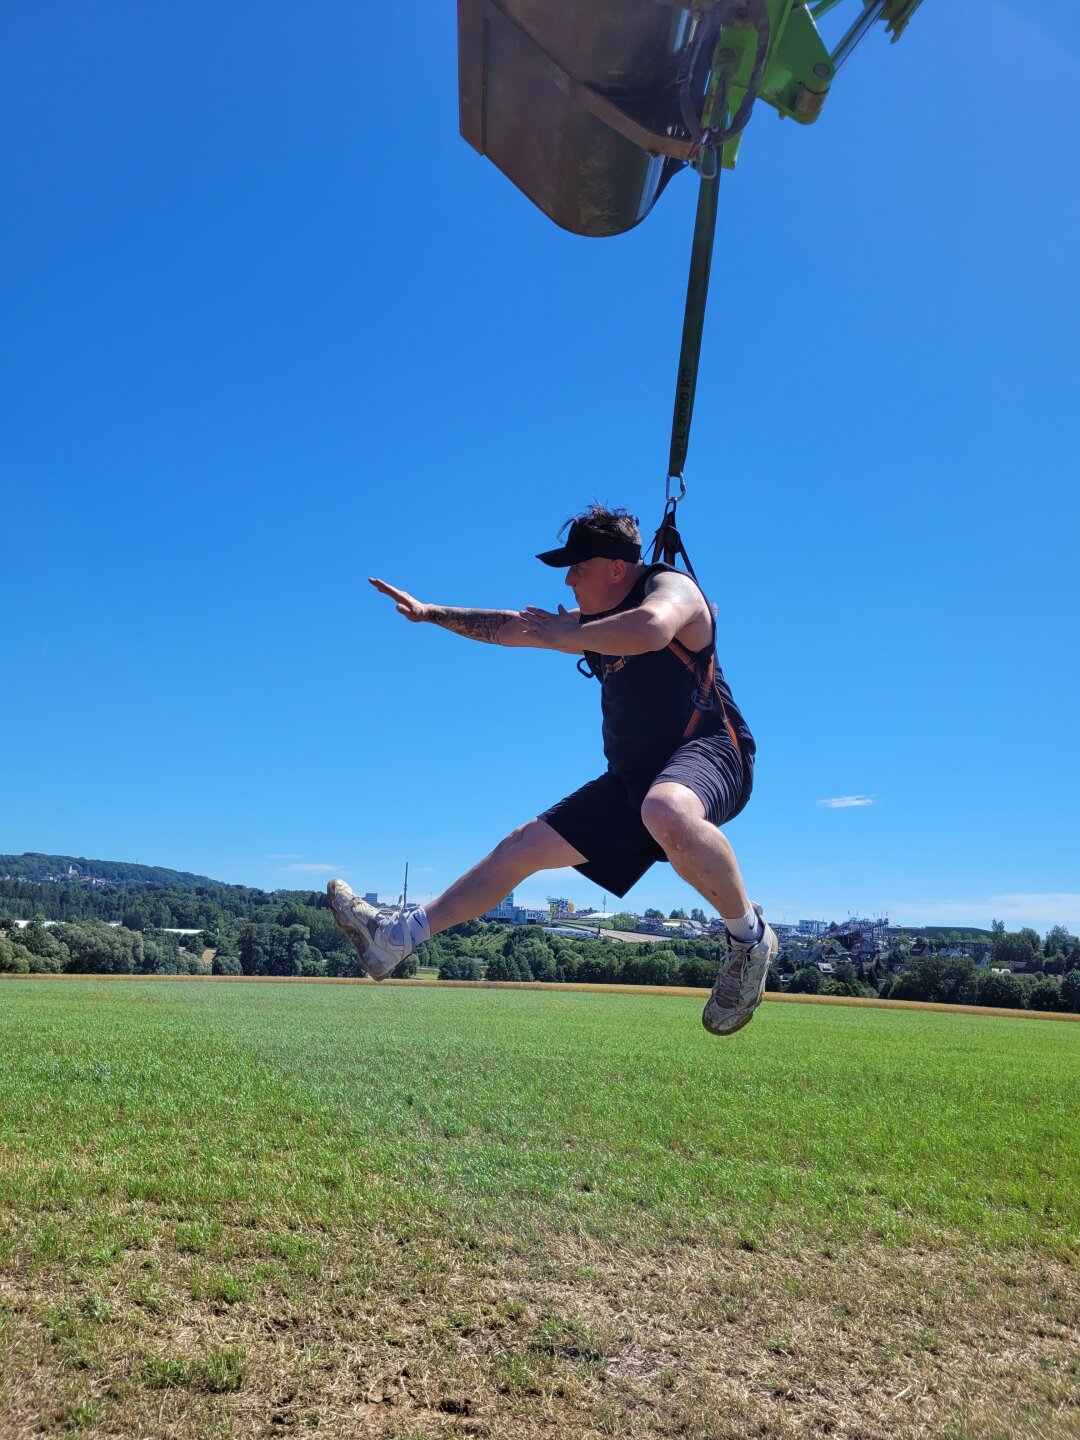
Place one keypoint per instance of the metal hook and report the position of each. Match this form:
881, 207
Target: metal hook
668, 498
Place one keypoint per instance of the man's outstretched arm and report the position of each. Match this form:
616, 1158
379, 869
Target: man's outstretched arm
492, 627
672, 605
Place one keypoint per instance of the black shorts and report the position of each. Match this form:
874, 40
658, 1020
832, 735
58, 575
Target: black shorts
602, 820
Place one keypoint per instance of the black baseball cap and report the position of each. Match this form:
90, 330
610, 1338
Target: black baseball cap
585, 543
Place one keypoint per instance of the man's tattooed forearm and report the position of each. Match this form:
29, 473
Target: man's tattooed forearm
473, 624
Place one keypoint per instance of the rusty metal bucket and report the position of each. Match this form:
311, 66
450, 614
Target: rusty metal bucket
577, 101
572, 101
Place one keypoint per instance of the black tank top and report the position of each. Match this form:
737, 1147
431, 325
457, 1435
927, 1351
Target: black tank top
647, 700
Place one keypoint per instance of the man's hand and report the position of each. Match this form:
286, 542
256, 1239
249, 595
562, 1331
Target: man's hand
552, 631
407, 605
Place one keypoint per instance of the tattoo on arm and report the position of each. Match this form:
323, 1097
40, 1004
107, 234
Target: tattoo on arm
483, 625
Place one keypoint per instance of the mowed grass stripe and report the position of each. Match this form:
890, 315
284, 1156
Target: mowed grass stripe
580, 987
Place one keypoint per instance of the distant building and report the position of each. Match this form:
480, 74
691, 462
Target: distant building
796, 953
827, 954
503, 911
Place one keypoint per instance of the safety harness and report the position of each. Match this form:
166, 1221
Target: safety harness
707, 692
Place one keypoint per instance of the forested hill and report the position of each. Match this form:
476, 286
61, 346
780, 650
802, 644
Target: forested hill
142, 897
68, 887
39, 869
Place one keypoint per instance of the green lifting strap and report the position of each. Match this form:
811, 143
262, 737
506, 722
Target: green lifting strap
714, 134
697, 294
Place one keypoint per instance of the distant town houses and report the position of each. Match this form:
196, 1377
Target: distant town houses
822, 943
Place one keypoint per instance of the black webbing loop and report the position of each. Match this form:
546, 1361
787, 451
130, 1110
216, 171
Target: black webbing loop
701, 59
667, 542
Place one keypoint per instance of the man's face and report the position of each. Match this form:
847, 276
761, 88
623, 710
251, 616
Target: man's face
596, 583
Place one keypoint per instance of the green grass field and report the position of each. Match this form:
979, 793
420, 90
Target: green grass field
240, 1210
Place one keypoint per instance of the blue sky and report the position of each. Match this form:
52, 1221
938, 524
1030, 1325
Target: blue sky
270, 326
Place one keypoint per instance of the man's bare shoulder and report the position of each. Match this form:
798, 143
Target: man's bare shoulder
680, 601
678, 588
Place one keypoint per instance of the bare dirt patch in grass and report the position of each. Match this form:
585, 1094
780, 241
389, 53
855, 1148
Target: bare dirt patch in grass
428, 1336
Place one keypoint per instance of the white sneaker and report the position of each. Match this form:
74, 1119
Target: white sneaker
741, 983
380, 937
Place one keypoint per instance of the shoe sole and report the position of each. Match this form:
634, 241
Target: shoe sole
730, 1029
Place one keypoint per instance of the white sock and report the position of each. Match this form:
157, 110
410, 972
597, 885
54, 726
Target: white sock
748, 927
419, 929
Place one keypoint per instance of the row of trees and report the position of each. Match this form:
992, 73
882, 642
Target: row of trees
941, 980
298, 937
526, 954
1055, 953
491, 952
956, 981
93, 948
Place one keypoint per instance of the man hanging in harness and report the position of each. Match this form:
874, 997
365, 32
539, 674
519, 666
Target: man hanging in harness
680, 759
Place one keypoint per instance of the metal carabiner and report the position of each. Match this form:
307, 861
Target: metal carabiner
670, 499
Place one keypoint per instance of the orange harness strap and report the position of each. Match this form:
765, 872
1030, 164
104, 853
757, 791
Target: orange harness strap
708, 691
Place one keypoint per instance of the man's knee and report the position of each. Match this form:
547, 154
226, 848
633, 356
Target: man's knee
669, 813
534, 845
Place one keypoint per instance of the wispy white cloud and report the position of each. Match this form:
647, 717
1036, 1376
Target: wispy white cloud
1068, 903
310, 869
1039, 909
847, 802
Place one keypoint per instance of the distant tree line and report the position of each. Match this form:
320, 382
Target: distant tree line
483, 950
1050, 980
91, 947
244, 931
